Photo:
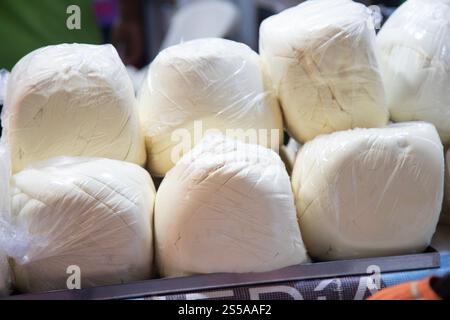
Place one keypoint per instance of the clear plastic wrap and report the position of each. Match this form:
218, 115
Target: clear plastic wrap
79, 221
71, 100
5, 211
226, 207
201, 86
415, 59
370, 192
321, 58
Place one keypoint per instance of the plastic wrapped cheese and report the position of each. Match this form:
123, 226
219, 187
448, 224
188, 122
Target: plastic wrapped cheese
71, 100
81, 221
415, 58
226, 207
370, 192
204, 86
5, 211
321, 58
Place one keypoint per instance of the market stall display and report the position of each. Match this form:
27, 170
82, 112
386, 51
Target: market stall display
71, 100
370, 192
226, 207
415, 59
90, 215
237, 213
201, 85
321, 57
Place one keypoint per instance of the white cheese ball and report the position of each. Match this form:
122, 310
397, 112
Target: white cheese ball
370, 192
415, 59
95, 214
71, 100
226, 207
322, 61
203, 85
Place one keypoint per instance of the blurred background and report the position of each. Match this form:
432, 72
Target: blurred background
139, 29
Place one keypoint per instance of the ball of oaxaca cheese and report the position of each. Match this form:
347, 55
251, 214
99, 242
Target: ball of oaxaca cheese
205, 86
321, 58
369, 192
415, 59
226, 207
94, 214
71, 100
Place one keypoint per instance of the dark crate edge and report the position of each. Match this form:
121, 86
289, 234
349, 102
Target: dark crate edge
320, 270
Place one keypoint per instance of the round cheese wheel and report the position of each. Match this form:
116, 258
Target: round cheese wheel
85, 218
321, 58
370, 192
202, 86
71, 100
226, 207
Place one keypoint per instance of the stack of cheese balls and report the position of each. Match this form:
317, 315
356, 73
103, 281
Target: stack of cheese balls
209, 121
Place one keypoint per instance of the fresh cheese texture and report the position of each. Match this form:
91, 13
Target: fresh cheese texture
226, 207
415, 59
71, 100
205, 86
370, 192
5, 211
321, 58
91, 214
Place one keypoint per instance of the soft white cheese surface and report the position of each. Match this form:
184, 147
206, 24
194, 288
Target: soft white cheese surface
370, 192
203, 85
321, 58
95, 214
71, 100
226, 207
415, 59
